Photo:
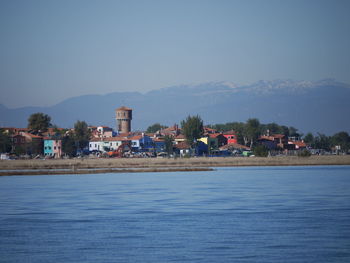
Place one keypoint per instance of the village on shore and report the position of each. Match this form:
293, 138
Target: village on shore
173, 141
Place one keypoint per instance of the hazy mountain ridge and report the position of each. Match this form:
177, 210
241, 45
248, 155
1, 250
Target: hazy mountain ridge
310, 106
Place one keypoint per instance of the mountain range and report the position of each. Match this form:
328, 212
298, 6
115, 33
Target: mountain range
319, 106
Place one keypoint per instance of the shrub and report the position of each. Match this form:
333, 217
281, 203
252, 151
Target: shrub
261, 151
304, 153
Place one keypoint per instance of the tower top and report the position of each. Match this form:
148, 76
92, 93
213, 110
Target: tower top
124, 108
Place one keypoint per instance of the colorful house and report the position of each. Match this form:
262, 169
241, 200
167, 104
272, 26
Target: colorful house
211, 142
52, 148
142, 143
159, 145
231, 136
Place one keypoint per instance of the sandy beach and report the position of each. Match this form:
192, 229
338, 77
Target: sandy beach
86, 165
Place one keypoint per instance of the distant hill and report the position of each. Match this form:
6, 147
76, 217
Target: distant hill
321, 106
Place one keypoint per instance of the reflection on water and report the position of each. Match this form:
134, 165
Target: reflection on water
271, 214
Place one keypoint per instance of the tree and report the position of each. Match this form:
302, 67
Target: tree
81, 135
322, 142
168, 140
155, 127
68, 145
309, 138
5, 142
39, 122
261, 151
272, 128
293, 132
252, 131
192, 128
342, 139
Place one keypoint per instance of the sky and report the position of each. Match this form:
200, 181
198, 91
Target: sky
53, 50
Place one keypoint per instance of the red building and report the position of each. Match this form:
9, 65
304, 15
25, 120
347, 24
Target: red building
231, 136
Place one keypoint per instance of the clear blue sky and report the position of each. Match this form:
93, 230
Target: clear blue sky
52, 50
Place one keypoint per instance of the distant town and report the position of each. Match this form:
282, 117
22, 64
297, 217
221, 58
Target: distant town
189, 139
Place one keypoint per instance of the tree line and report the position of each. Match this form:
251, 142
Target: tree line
248, 133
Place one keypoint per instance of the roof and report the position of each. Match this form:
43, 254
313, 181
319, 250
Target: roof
31, 135
109, 139
231, 132
300, 144
214, 135
272, 137
180, 137
182, 145
278, 135
124, 108
209, 130
136, 137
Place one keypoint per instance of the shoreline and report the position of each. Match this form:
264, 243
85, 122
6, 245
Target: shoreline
125, 165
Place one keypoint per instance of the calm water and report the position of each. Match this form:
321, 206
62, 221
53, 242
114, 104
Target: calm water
279, 214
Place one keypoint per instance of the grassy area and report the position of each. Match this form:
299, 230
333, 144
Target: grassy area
76, 164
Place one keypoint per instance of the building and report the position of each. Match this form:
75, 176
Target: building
231, 136
52, 148
141, 143
106, 144
123, 117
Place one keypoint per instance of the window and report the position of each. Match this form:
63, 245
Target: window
15, 140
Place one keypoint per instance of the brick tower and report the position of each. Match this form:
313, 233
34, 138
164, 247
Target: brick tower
124, 117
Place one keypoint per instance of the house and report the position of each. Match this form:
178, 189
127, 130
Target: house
170, 131
179, 138
53, 132
106, 144
183, 149
101, 132
34, 143
234, 146
207, 130
298, 145
142, 143
159, 145
276, 141
19, 144
211, 142
53, 147
231, 136
222, 140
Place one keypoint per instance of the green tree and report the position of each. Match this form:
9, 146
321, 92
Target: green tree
293, 132
270, 128
309, 138
81, 134
168, 140
155, 127
5, 142
192, 128
342, 139
39, 122
68, 145
252, 131
261, 151
322, 141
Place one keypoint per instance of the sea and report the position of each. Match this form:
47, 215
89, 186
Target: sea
235, 214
